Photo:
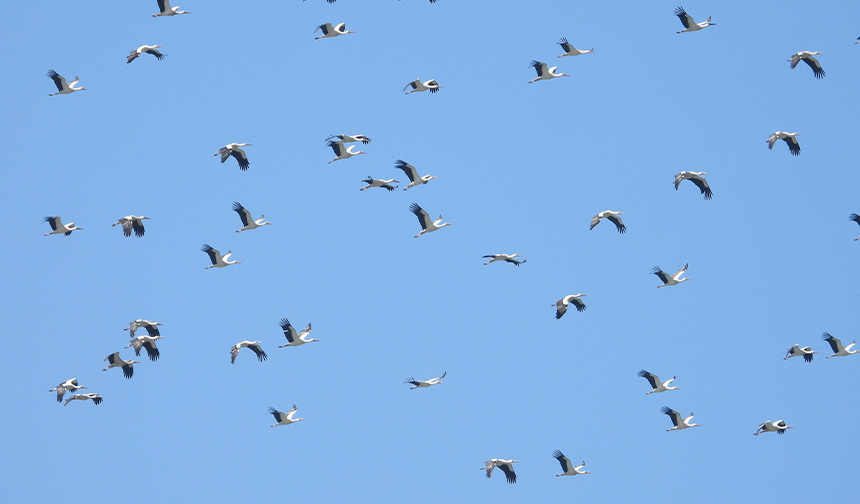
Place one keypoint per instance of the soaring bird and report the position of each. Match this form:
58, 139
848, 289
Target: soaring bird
696, 178
689, 24
428, 225
218, 261
146, 342
790, 139
284, 418
148, 49
562, 304
248, 221
770, 426
295, 338
60, 228
62, 86
97, 399
567, 466
332, 31
418, 86
809, 59
167, 10
232, 149
836, 345
127, 366
425, 383
412, 173
855, 218
150, 326
70, 385
254, 346
569, 50
511, 258
131, 223
385, 184
351, 138
341, 151
656, 385
797, 351
505, 465
613, 218
543, 73
670, 279
677, 420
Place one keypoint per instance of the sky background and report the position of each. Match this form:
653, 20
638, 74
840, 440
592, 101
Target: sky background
522, 168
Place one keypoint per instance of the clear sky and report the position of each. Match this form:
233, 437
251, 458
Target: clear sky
522, 168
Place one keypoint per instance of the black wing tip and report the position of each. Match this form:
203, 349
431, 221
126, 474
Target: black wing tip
679, 11
558, 454
854, 217
206, 247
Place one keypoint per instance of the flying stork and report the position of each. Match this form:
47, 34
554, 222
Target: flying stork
284, 418
506, 465
808, 58
427, 225
677, 421
673, 279
295, 338
70, 385
248, 221
351, 138
167, 10
796, 351
62, 86
425, 383
253, 345
97, 399
385, 184
855, 218
562, 304
511, 258
696, 178
412, 173
418, 86
150, 326
543, 73
147, 342
689, 24
127, 366
569, 50
131, 223
60, 228
232, 149
770, 426
148, 49
836, 345
656, 385
613, 218
332, 31
341, 151
566, 466
218, 261
790, 139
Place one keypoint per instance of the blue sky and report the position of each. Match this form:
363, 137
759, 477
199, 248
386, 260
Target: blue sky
522, 168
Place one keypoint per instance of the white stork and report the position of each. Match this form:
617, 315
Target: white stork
253, 345
569, 50
511, 258
97, 399
412, 173
506, 465
656, 385
673, 279
150, 326
131, 223
696, 178
418, 86
167, 10
385, 184
62, 86
218, 261
689, 24
341, 151
427, 225
679, 423
797, 351
332, 31
247, 220
148, 49
60, 228
770, 426
127, 366
562, 304
351, 138
543, 73
425, 383
295, 338
836, 345
284, 418
70, 385
613, 217
809, 59
232, 149
567, 466
855, 218
790, 139
147, 342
